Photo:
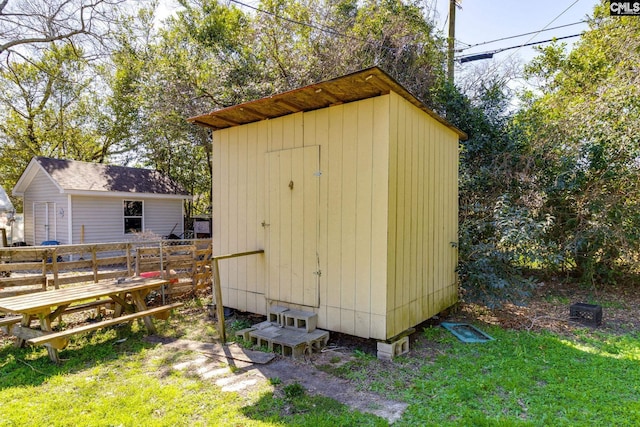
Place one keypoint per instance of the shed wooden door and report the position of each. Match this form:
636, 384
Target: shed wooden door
293, 177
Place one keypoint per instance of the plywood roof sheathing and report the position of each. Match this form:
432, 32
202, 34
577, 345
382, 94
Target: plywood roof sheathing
324, 93
289, 105
254, 112
227, 121
353, 87
374, 81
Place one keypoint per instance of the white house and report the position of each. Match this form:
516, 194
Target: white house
75, 202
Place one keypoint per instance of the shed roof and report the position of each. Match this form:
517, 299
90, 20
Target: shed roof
72, 176
352, 87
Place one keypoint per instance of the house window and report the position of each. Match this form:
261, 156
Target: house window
132, 216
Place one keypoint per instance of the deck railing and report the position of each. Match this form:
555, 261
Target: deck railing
187, 263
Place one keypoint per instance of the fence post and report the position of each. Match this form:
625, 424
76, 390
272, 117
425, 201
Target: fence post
54, 266
94, 262
129, 271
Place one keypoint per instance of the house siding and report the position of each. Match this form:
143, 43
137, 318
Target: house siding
103, 220
41, 191
164, 217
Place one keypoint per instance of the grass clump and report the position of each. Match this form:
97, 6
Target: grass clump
293, 391
275, 381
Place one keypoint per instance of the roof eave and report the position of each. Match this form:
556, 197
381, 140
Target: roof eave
356, 86
27, 176
130, 194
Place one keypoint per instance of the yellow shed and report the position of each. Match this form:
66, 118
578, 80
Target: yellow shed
351, 188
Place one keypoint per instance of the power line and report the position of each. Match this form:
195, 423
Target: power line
469, 46
544, 28
494, 66
489, 54
462, 59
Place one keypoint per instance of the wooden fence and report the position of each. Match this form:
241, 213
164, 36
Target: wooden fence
186, 263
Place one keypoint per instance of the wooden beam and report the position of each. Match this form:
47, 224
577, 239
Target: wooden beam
239, 254
228, 121
217, 288
254, 112
57, 312
324, 93
374, 81
288, 105
205, 124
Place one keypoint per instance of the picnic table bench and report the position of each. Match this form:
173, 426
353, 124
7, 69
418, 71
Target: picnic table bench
126, 296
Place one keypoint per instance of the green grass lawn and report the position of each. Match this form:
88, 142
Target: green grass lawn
521, 378
113, 377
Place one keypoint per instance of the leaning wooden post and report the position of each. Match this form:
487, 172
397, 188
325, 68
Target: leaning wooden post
217, 288
218, 294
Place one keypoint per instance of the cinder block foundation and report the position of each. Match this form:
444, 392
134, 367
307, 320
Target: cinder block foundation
293, 333
389, 350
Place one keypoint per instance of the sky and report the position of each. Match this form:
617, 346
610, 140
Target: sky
479, 21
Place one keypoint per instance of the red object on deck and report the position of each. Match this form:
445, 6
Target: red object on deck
157, 275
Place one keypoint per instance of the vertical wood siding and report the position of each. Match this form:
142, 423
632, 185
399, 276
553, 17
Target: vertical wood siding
387, 214
353, 214
423, 217
239, 208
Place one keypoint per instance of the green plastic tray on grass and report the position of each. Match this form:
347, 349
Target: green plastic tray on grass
466, 333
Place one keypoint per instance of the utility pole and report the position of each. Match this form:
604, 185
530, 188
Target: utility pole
452, 38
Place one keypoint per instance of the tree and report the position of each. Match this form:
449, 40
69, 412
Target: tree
500, 225
212, 55
48, 107
583, 126
50, 90
400, 37
302, 42
28, 25
163, 77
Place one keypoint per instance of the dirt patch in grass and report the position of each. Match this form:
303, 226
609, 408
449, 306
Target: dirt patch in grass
548, 309
241, 376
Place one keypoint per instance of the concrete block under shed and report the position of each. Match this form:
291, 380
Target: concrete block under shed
300, 320
387, 351
292, 343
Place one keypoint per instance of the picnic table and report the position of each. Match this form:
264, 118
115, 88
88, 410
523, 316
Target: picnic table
126, 296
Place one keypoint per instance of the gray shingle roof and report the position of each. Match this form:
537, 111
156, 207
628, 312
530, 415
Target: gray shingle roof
83, 176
